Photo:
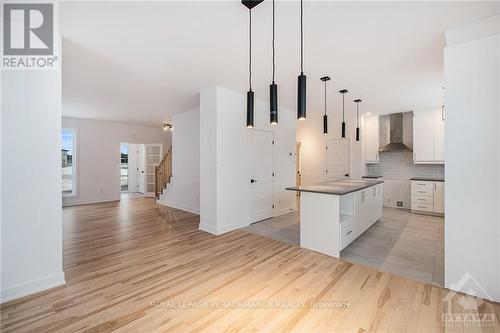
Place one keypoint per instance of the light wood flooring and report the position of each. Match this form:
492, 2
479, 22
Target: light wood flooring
133, 266
402, 243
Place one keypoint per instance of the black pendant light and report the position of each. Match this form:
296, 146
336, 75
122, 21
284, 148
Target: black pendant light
301, 80
273, 91
343, 91
357, 101
325, 116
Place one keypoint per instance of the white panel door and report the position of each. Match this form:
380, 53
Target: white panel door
260, 180
153, 156
132, 167
337, 159
141, 169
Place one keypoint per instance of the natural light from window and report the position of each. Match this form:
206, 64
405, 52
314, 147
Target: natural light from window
68, 162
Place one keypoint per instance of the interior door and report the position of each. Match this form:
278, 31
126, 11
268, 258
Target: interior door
132, 167
153, 155
337, 159
260, 180
141, 169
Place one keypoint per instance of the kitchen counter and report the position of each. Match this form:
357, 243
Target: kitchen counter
428, 179
336, 187
335, 213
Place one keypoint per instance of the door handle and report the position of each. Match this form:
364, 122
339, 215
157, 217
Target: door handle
347, 175
253, 181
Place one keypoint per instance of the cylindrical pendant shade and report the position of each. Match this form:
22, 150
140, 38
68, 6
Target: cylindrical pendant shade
357, 133
301, 97
325, 124
273, 102
343, 129
250, 109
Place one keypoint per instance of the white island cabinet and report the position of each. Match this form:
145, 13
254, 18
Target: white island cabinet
335, 213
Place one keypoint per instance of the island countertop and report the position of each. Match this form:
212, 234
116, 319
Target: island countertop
336, 187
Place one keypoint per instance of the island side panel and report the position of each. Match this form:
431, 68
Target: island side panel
320, 223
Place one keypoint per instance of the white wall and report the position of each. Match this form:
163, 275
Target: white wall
472, 198
31, 235
313, 142
183, 192
98, 156
224, 180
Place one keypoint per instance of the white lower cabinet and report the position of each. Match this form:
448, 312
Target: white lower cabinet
439, 197
367, 210
427, 196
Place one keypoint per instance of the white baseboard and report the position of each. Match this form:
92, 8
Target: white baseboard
284, 211
179, 206
88, 202
223, 229
31, 287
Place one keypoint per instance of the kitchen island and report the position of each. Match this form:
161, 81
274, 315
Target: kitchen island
334, 213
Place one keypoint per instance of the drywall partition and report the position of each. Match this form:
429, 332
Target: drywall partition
472, 197
183, 191
224, 174
98, 156
31, 230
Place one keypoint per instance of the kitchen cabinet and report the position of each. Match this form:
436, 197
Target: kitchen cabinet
439, 136
428, 136
438, 198
371, 138
427, 197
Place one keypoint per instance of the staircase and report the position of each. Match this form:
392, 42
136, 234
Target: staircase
163, 173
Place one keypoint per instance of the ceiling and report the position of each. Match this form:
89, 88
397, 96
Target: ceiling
142, 62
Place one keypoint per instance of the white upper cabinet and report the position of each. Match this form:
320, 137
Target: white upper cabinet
371, 138
439, 136
428, 136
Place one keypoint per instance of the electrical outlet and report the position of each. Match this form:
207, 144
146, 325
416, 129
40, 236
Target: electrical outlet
400, 203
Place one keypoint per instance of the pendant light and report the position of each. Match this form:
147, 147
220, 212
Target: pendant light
357, 101
273, 91
301, 80
250, 97
343, 91
325, 116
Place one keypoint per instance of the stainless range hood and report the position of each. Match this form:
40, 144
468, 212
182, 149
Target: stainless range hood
396, 134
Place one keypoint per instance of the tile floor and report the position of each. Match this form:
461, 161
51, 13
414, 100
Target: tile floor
403, 243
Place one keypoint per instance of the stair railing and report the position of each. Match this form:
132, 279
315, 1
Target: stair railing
163, 172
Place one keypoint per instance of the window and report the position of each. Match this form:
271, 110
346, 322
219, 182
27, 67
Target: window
124, 167
68, 162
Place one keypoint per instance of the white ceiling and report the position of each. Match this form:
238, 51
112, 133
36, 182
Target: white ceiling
142, 62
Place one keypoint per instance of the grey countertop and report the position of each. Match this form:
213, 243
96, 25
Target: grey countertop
372, 177
336, 187
428, 179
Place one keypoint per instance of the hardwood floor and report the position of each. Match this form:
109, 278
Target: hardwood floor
402, 243
134, 266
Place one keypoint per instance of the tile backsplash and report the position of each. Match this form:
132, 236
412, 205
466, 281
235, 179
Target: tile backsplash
396, 168
399, 165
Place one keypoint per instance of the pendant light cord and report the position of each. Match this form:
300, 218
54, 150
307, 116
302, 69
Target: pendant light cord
325, 97
357, 114
250, 50
273, 44
301, 39
343, 106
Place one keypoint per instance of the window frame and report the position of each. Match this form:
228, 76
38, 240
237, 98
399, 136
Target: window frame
74, 163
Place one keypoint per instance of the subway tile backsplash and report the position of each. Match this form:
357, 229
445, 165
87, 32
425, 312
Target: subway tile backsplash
399, 165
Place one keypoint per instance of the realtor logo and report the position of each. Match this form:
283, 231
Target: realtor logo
28, 36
